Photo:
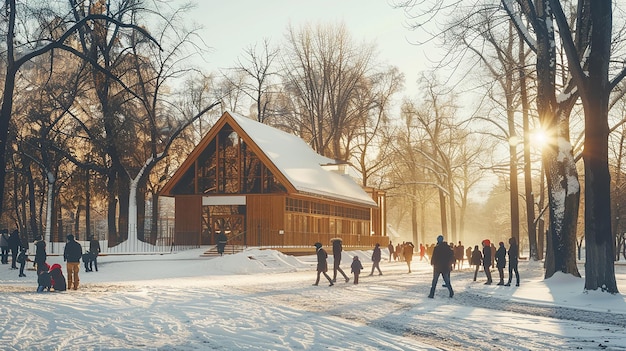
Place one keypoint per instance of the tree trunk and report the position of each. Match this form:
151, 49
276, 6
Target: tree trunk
528, 180
154, 224
564, 197
599, 265
88, 233
32, 215
442, 209
113, 238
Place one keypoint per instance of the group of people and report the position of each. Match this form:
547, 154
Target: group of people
402, 252
49, 277
444, 258
487, 257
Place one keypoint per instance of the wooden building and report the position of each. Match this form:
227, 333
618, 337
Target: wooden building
266, 187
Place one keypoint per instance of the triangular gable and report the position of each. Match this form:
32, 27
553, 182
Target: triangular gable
289, 158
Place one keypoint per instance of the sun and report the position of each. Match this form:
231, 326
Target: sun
538, 138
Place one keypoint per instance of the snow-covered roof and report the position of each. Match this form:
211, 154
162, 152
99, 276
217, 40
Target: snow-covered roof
300, 164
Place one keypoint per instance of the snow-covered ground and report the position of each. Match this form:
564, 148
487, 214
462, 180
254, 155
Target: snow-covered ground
263, 300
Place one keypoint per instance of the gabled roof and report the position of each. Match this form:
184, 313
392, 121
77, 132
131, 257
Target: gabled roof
290, 159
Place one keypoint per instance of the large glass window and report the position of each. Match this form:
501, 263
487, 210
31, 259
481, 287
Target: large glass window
228, 166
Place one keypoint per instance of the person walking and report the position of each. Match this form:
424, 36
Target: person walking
459, 252
476, 259
94, 249
501, 261
407, 252
22, 258
40, 254
322, 264
376, 255
15, 243
337, 250
72, 254
513, 260
442, 261
487, 260
356, 268
391, 251
4, 246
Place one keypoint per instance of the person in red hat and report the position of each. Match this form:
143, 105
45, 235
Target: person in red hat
487, 260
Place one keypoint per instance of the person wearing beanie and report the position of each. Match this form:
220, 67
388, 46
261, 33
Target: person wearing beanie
442, 261
487, 260
322, 264
72, 254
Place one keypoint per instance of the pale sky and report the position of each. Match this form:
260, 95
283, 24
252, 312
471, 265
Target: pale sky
230, 27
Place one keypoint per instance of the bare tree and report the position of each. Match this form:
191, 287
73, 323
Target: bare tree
323, 70
258, 68
21, 48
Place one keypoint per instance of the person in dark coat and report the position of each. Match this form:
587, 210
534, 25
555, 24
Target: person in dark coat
442, 261
476, 260
44, 281
487, 260
513, 260
40, 253
391, 251
94, 249
72, 254
22, 258
501, 261
322, 264
57, 278
15, 243
356, 268
337, 249
376, 257
4, 246
87, 260
222, 239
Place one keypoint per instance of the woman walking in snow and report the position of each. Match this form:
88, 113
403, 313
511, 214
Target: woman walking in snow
322, 264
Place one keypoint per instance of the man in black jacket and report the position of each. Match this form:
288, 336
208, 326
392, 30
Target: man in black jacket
442, 261
72, 253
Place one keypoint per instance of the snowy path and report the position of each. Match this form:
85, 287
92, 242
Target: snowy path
134, 306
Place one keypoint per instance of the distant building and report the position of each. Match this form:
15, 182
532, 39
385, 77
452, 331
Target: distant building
265, 187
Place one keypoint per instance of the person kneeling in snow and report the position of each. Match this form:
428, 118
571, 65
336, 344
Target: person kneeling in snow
57, 278
44, 281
